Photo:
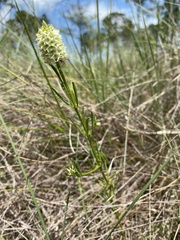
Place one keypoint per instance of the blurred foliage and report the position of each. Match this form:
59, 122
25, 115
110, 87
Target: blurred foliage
32, 23
6, 2
15, 32
118, 26
119, 30
116, 29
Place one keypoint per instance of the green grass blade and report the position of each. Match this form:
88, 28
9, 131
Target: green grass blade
25, 177
138, 197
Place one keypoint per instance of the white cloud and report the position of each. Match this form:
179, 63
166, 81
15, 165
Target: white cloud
39, 6
105, 9
91, 9
44, 4
151, 20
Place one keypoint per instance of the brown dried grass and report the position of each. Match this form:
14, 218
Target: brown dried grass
132, 136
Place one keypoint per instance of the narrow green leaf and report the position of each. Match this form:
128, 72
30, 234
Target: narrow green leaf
60, 97
26, 178
130, 207
75, 93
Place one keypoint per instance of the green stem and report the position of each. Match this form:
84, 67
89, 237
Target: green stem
94, 152
72, 96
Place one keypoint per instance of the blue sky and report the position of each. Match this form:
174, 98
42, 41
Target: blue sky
54, 9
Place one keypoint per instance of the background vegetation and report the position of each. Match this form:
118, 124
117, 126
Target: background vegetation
130, 79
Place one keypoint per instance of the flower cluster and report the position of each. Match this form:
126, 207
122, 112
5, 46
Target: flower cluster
50, 44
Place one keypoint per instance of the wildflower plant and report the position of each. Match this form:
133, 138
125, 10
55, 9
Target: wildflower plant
54, 53
50, 44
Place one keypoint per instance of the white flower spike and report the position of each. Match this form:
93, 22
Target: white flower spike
50, 44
